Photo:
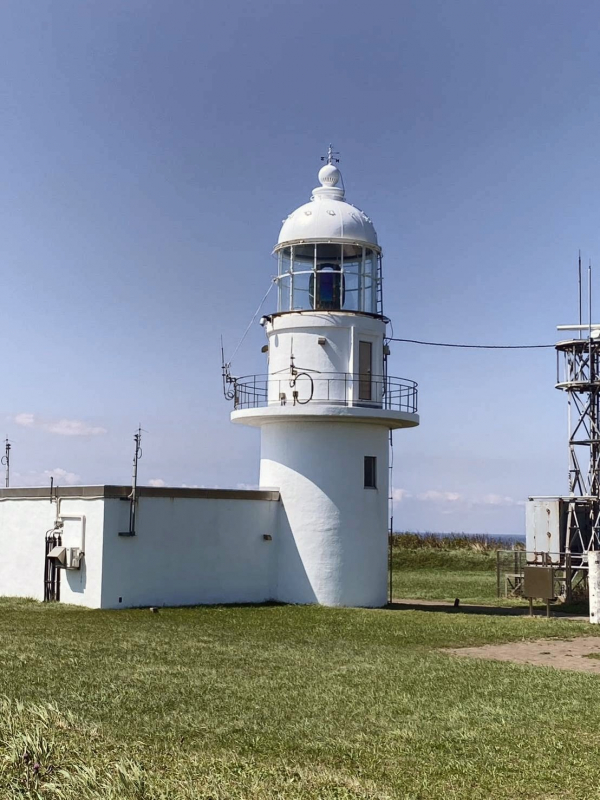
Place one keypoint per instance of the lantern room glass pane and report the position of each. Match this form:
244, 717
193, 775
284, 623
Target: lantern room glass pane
300, 295
284, 293
352, 269
328, 276
284, 259
369, 297
327, 287
302, 264
283, 279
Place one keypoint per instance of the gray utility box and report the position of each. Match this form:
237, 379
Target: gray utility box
546, 529
538, 583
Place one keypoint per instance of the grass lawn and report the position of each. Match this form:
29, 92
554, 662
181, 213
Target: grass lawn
437, 574
285, 702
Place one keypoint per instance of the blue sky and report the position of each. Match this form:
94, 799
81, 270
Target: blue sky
149, 151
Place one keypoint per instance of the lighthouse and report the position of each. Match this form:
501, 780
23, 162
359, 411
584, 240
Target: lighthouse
326, 404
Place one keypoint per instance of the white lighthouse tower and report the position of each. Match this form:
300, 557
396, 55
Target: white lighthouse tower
327, 404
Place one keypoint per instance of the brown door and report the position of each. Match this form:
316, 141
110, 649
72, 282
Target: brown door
365, 355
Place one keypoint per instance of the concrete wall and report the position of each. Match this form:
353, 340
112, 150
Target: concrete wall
23, 525
333, 531
189, 551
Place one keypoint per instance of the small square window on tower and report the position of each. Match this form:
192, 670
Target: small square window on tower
370, 472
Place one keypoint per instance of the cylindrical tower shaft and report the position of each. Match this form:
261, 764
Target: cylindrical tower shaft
333, 535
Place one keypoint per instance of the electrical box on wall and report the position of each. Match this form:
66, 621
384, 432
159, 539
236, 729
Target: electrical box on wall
74, 557
66, 557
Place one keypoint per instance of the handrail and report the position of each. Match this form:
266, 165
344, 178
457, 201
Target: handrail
330, 388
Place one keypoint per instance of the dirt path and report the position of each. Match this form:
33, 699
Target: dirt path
559, 653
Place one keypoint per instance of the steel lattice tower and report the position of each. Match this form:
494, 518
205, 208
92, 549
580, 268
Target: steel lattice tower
578, 374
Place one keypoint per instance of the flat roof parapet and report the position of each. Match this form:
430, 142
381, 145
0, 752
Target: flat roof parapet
111, 492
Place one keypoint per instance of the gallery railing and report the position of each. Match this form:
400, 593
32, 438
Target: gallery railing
331, 388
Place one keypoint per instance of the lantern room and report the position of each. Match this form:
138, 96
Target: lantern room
328, 256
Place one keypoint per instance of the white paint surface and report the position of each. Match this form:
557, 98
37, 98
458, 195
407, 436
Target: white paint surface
23, 527
594, 586
83, 586
298, 333
23, 524
328, 217
189, 551
333, 531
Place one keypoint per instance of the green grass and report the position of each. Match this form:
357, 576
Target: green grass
285, 702
428, 584
433, 574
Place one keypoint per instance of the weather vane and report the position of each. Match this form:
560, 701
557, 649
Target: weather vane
330, 158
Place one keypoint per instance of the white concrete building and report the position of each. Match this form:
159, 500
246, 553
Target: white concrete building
316, 532
191, 545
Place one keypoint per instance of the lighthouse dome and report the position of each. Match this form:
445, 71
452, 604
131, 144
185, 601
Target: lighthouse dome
328, 216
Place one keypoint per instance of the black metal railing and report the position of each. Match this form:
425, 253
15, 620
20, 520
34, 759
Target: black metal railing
330, 388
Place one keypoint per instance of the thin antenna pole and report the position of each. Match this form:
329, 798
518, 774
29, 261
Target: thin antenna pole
592, 377
137, 438
590, 303
5, 461
580, 304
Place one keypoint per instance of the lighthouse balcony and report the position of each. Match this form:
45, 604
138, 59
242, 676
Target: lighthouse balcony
304, 388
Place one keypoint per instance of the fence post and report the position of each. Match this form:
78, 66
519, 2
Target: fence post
390, 568
594, 586
498, 573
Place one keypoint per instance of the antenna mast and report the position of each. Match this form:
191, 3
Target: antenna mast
5, 461
580, 380
137, 438
229, 386
580, 305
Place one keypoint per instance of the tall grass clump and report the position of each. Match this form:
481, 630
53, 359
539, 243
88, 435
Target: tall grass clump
478, 542
46, 753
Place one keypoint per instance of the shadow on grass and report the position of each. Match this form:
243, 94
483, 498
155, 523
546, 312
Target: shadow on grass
496, 611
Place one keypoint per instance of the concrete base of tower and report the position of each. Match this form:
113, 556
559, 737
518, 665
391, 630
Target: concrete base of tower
332, 546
